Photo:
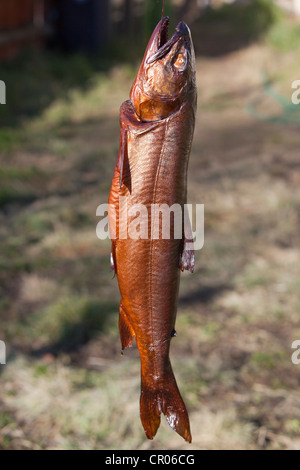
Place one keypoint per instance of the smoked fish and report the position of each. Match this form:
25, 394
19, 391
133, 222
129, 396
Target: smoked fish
157, 125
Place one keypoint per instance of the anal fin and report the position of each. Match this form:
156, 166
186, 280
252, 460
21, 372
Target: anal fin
126, 331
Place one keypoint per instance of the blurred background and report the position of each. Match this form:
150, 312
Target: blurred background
68, 65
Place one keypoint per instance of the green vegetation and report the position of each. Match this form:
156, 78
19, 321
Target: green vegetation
284, 36
69, 322
19, 185
250, 19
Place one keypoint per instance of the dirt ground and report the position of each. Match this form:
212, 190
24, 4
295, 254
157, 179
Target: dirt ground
65, 384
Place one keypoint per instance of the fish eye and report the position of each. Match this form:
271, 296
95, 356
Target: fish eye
180, 61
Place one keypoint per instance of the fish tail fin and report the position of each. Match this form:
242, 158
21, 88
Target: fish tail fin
150, 411
164, 399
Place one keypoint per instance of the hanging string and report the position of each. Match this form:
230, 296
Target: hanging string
163, 9
162, 15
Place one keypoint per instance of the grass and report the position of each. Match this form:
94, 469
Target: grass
65, 385
68, 323
19, 185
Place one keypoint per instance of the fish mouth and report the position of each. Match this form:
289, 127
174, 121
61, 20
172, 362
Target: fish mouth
163, 32
164, 44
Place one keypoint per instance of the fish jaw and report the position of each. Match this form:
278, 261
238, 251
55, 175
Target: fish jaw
158, 39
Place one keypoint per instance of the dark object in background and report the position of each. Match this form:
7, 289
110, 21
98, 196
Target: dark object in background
84, 24
22, 25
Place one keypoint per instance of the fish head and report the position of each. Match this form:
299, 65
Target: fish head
166, 75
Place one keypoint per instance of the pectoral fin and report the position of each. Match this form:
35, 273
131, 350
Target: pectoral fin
113, 261
187, 257
122, 154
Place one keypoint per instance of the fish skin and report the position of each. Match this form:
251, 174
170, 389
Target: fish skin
155, 144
